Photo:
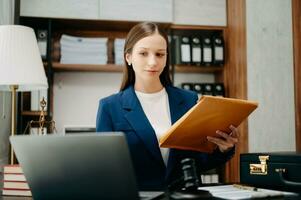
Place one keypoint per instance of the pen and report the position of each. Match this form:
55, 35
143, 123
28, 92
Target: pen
244, 187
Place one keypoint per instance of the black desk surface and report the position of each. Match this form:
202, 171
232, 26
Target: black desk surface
163, 198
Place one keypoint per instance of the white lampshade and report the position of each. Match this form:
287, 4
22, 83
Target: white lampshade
20, 60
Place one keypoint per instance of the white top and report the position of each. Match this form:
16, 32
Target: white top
156, 109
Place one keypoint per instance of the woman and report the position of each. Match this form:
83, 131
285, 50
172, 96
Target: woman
146, 107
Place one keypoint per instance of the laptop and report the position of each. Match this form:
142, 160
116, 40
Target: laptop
80, 166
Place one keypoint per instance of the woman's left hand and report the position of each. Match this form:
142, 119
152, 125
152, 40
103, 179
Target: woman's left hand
227, 141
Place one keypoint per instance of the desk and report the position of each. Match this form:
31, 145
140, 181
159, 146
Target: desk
164, 198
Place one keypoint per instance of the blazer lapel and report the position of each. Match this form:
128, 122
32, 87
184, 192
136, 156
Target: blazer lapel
176, 104
138, 120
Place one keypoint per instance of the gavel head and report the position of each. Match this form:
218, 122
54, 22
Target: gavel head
191, 179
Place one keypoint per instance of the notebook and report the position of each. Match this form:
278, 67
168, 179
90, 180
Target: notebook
80, 166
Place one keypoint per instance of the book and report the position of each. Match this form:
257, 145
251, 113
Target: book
16, 192
210, 114
15, 185
12, 169
13, 177
16, 197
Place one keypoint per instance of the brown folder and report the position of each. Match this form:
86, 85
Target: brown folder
204, 119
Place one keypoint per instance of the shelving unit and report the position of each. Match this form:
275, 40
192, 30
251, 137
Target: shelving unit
101, 28
195, 27
232, 74
197, 69
98, 28
32, 113
58, 67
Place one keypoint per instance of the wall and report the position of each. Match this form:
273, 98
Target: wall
76, 94
270, 75
6, 12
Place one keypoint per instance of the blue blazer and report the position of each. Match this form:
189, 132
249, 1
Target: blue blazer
123, 112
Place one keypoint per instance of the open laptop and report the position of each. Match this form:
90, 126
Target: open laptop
80, 166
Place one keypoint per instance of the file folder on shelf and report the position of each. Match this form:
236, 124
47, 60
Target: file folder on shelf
185, 50
208, 115
207, 51
218, 50
196, 51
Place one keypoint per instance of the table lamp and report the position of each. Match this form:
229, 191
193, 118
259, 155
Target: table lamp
21, 66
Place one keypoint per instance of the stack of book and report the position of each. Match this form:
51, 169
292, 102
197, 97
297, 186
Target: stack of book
14, 182
118, 50
83, 50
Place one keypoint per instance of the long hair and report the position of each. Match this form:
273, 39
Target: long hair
138, 32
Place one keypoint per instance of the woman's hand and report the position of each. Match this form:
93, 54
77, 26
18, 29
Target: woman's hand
227, 141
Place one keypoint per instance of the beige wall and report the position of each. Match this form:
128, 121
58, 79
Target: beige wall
271, 75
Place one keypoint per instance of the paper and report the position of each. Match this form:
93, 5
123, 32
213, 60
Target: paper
204, 119
233, 192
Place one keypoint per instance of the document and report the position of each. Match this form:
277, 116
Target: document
204, 119
244, 192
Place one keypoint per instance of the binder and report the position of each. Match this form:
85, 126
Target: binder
187, 86
196, 50
42, 42
204, 119
218, 50
198, 88
207, 50
218, 89
176, 49
185, 50
207, 89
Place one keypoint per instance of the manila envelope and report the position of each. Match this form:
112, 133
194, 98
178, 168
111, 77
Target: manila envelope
204, 119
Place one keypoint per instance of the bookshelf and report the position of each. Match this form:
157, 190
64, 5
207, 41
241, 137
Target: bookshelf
32, 113
197, 69
229, 74
94, 28
58, 67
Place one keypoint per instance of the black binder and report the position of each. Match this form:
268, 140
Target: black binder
198, 87
176, 49
219, 89
185, 50
207, 50
196, 50
218, 50
187, 86
42, 42
207, 89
